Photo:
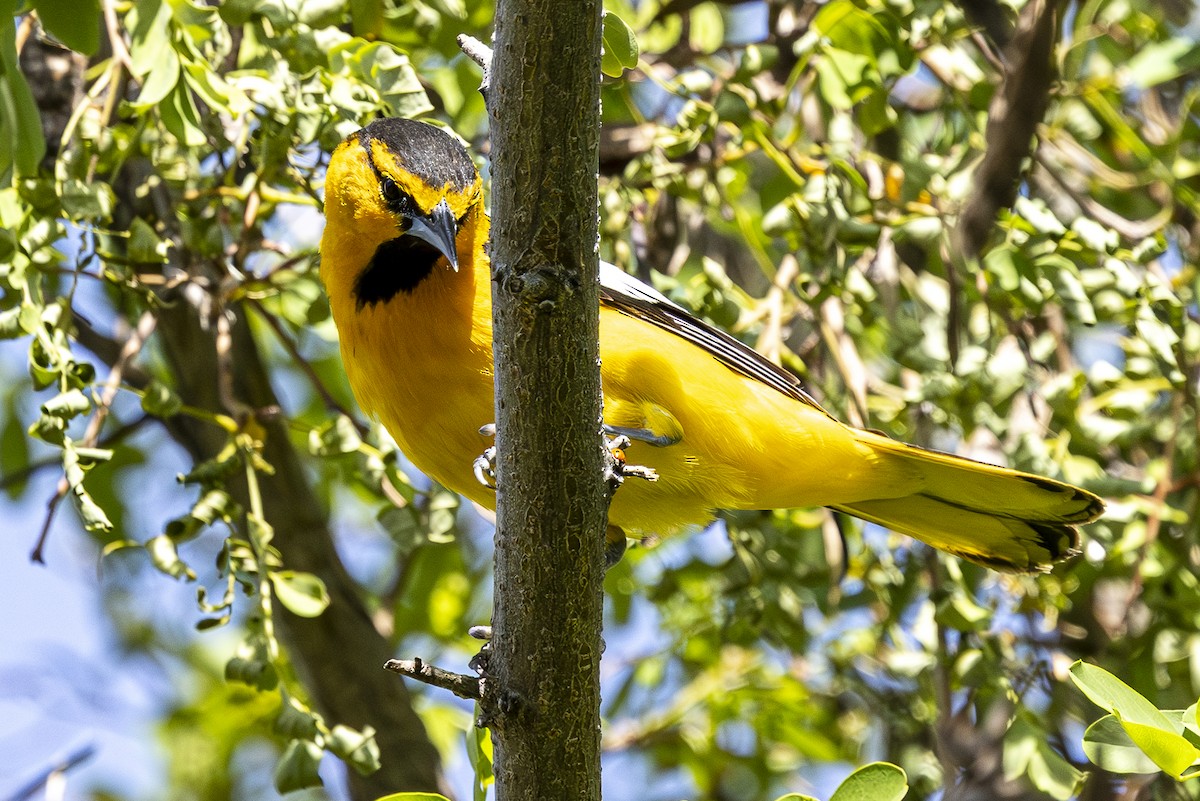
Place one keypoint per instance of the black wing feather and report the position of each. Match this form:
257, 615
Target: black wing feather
646, 305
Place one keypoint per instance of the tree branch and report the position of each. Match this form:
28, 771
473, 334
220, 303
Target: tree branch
458, 683
1015, 112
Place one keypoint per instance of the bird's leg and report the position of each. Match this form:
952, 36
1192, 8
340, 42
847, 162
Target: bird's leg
618, 470
485, 464
479, 662
615, 473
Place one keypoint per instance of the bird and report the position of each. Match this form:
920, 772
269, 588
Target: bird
404, 262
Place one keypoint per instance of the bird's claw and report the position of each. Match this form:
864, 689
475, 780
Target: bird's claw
619, 469
479, 662
484, 465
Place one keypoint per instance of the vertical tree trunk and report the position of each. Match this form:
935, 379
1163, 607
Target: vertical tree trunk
551, 507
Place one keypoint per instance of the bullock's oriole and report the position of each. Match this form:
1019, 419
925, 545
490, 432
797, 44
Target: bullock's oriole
404, 262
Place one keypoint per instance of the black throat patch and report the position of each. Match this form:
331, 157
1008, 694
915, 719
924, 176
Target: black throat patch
399, 265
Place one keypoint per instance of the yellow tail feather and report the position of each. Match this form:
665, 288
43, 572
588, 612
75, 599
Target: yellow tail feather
1003, 519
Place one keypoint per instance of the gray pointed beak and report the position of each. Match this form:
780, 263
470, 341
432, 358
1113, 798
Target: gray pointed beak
439, 228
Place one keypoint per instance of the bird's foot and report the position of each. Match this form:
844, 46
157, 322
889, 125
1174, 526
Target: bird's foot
479, 662
619, 468
485, 464
617, 471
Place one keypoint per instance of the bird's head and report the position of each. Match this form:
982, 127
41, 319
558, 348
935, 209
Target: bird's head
399, 195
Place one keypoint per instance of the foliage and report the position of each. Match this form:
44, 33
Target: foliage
1136, 737
878, 781
794, 175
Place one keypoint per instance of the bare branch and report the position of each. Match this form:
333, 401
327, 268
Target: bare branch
318, 385
1013, 118
481, 54
460, 684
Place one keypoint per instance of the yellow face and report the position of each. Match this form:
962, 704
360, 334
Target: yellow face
426, 197
400, 197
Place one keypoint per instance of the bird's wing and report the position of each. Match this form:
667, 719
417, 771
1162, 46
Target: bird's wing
628, 295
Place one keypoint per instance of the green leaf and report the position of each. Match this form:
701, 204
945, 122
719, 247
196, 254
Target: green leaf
877, 781
145, 246
413, 797
302, 594
150, 39
75, 463
620, 46
338, 436
443, 516
239, 12
1027, 753
253, 672
1172, 752
181, 118
165, 557
844, 26
297, 768
94, 517
76, 23
1154, 732
14, 448
706, 31
1002, 262
366, 17
479, 754
86, 201
296, 723
22, 144
8, 245
1115, 696
356, 747
961, 613
843, 77
1108, 745
159, 83
1159, 62
159, 400
71, 403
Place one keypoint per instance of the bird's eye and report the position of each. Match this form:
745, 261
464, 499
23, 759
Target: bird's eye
391, 192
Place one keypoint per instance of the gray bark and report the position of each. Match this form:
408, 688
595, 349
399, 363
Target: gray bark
551, 506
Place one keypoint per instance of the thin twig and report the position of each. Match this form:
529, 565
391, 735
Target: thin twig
145, 327
224, 347
770, 341
60, 765
1133, 230
116, 40
1154, 520
17, 476
318, 386
846, 358
481, 54
129, 350
460, 684
60, 492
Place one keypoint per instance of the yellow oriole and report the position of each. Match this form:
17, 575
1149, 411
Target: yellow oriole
403, 260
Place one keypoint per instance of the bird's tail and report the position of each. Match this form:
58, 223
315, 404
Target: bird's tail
1003, 519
